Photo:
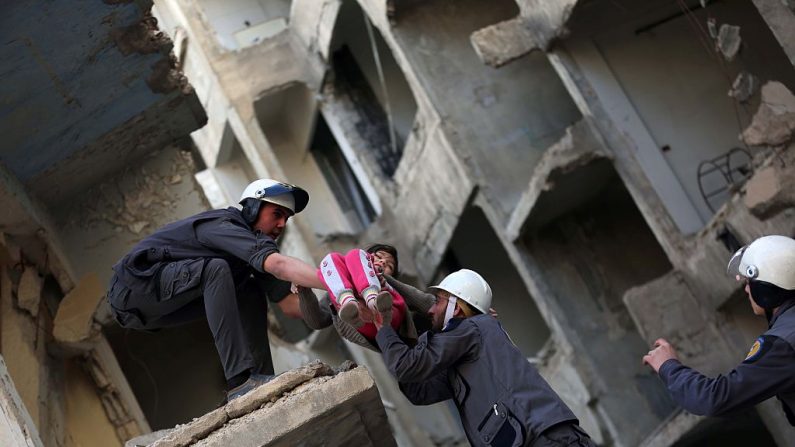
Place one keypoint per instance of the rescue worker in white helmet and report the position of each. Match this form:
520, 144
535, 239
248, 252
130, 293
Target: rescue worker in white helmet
218, 265
767, 267
468, 357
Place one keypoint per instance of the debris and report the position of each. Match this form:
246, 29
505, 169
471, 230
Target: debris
774, 121
29, 290
729, 41
137, 227
74, 320
769, 192
744, 86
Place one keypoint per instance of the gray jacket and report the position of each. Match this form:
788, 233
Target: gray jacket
501, 398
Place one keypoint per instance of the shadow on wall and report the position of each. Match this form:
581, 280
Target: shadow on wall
365, 74
174, 373
589, 254
738, 431
475, 246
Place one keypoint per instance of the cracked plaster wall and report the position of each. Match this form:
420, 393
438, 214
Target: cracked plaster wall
107, 220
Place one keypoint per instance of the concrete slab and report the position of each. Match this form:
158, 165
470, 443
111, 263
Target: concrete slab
16, 426
305, 406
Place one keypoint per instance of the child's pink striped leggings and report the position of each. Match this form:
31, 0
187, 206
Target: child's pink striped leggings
351, 275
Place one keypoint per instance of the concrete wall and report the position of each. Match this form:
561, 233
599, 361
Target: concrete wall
503, 119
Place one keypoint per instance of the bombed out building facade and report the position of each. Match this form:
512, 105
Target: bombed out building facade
597, 161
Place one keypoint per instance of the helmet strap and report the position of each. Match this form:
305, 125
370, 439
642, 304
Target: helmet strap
250, 210
448, 313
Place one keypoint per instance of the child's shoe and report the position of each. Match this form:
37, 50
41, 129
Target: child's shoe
349, 311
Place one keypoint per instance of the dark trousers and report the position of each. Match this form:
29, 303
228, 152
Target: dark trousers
565, 434
193, 289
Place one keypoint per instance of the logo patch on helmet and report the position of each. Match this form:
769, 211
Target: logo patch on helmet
759, 348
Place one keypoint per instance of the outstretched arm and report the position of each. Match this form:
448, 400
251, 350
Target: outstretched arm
292, 269
315, 316
416, 299
767, 370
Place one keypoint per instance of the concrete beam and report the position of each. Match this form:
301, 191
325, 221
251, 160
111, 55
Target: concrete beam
118, 400
74, 322
16, 426
344, 410
503, 42
539, 24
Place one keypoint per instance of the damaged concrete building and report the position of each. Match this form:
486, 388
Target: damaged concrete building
598, 161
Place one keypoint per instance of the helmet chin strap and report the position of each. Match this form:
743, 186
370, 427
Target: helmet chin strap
448, 313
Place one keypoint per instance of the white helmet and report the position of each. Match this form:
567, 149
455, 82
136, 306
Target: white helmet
289, 196
468, 286
769, 264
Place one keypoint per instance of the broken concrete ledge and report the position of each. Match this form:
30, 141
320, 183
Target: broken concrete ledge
310, 405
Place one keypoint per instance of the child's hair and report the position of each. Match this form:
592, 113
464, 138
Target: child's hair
389, 249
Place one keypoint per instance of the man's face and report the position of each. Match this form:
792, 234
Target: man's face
384, 262
272, 219
436, 312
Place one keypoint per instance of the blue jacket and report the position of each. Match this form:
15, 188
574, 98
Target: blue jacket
501, 398
767, 371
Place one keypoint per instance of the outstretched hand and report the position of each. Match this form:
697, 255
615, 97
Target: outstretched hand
661, 353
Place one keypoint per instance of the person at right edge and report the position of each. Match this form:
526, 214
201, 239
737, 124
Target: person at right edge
767, 266
468, 357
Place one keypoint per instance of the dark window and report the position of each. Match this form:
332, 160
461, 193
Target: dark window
340, 177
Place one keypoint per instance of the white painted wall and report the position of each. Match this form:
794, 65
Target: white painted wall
241, 23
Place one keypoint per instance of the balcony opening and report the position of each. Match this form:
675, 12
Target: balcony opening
591, 247
366, 77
